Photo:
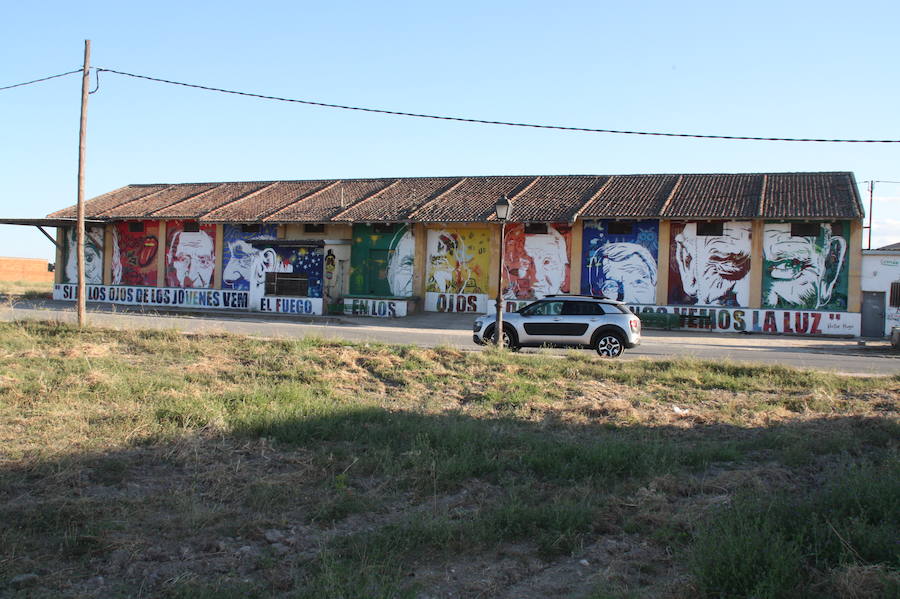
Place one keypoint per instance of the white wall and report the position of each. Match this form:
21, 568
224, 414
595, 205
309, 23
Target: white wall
879, 270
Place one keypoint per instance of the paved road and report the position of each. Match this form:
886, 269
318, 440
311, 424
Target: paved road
838, 355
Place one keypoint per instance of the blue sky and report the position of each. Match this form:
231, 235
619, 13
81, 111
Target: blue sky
765, 68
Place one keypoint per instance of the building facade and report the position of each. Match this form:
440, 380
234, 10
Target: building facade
771, 253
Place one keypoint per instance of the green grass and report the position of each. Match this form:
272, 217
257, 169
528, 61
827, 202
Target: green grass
386, 465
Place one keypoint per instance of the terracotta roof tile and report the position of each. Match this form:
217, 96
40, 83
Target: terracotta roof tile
634, 196
109, 200
397, 201
472, 200
323, 205
268, 200
716, 196
555, 199
812, 195
144, 206
210, 200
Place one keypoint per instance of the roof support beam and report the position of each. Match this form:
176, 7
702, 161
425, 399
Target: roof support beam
48, 236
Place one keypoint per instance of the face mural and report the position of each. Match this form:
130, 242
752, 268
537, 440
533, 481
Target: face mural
536, 264
134, 253
382, 261
710, 270
807, 272
458, 260
93, 256
620, 260
241, 262
190, 256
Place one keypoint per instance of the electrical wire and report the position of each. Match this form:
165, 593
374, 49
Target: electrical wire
503, 123
41, 79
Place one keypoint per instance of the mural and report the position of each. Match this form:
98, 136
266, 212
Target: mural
622, 265
93, 256
806, 272
458, 261
710, 270
536, 264
241, 262
190, 255
134, 254
382, 263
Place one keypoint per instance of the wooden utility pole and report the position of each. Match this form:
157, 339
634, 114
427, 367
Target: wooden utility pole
85, 85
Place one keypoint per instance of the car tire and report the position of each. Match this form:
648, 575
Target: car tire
510, 339
609, 345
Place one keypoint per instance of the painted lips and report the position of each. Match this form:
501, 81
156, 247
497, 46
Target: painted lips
148, 251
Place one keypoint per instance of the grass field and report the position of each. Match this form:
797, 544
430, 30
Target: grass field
156, 464
26, 288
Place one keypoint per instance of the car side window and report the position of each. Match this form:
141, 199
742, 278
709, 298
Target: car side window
543, 309
582, 309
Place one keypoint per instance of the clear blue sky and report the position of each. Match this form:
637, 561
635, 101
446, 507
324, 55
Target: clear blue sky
796, 69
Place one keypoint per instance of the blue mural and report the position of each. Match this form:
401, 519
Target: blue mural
240, 263
619, 260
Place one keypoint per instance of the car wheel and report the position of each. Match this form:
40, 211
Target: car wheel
510, 339
610, 345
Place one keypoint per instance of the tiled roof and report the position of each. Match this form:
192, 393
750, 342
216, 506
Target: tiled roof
891, 248
471, 199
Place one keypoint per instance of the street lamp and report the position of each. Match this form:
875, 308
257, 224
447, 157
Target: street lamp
502, 209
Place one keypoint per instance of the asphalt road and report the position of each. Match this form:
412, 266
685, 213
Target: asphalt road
838, 355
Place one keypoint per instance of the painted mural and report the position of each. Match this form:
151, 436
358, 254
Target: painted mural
242, 264
93, 256
536, 264
190, 255
382, 263
458, 261
134, 254
806, 272
621, 265
710, 270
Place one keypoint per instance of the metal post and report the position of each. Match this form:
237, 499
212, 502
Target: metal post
871, 194
499, 323
85, 85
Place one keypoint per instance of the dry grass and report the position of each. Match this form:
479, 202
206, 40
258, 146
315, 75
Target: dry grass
216, 465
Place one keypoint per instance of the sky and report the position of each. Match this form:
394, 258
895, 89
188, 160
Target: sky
786, 69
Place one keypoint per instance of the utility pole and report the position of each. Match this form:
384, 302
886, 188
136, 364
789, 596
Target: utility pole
871, 194
85, 85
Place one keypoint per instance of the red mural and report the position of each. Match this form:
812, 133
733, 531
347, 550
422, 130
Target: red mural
190, 255
536, 264
135, 246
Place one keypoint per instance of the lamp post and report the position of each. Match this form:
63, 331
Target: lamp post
502, 210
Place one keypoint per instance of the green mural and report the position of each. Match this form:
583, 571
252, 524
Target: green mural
806, 265
381, 261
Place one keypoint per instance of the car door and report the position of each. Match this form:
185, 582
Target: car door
540, 321
579, 319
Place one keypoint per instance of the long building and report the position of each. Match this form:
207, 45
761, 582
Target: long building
766, 252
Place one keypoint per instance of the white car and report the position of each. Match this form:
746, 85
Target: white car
583, 321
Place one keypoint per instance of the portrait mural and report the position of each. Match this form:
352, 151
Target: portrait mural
382, 260
536, 264
93, 256
619, 260
808, 270
247, 257
135, 246
190, 255
458, 261
709, 264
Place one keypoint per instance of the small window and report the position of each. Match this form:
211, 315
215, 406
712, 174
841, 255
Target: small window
192, 227
287, 283
535, 228
136, 227
582, 309
710, 229
620, 228
313, 228
383, 228
895, 295
251, 229
805, 229
837, 229
543, 309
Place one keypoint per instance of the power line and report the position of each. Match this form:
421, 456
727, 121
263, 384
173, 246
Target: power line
41, 79
503, 123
